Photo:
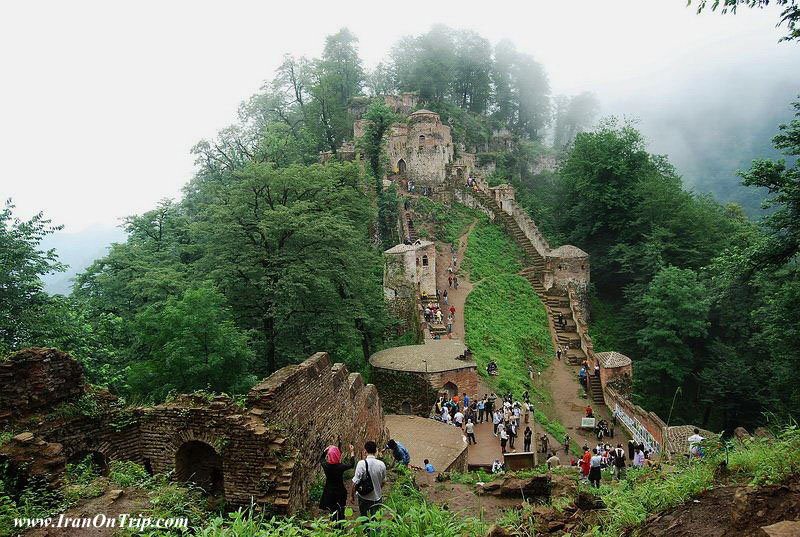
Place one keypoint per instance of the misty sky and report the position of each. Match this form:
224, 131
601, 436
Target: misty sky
100, 102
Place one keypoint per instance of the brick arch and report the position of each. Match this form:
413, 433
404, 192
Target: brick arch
200, 463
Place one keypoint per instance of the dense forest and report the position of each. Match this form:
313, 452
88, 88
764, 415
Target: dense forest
269, 256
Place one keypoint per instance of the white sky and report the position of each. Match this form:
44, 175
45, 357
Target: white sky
101, 101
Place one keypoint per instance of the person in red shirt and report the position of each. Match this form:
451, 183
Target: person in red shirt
453, 311
585, 463
589, 412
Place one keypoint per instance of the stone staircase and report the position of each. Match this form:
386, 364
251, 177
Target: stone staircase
594, 390
412, 233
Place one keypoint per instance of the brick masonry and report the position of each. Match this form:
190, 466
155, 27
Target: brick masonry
36, 379
266, 451
407, 392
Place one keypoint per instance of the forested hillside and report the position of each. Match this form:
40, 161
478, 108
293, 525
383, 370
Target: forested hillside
270, 256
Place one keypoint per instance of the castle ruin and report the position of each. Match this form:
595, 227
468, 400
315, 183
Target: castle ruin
265, 451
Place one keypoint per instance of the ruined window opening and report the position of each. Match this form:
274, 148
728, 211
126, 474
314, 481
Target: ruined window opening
421, 139
418, 261
198, 463
405, 407
450, 388
401, 167
424, 260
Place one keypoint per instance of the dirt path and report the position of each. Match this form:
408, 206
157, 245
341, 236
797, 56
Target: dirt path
456, 297
569, 403
111, 503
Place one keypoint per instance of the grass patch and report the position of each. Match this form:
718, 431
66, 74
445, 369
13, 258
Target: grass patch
490, 252
506, 322
448, 222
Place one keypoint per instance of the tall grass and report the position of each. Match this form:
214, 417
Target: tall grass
490, 252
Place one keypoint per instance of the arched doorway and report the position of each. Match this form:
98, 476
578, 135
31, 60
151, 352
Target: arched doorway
98, 461
198, 463
405, 407
401, 167
450, 388
460, 173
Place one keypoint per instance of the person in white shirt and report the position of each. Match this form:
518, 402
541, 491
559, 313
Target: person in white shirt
694, 444
595, 464
503, 438
369, 503
458, 419
469, 428
446, 416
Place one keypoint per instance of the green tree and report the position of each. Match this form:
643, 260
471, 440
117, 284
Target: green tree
22, 264
790, 12
783, 183
674, 312
190, 343
379, 119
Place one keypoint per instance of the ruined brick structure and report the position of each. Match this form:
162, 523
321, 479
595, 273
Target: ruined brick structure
419, 147
410, 378
266, 452
37, 378
410, 267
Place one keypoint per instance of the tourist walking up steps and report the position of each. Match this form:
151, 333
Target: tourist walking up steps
368, 479
527, 437
334, 494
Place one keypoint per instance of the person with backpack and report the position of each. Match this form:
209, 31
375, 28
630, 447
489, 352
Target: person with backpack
619, 462
368, 479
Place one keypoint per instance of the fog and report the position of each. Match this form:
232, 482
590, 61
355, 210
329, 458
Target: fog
101, 102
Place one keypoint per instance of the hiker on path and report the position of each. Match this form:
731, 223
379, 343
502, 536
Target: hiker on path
368, 479
566, 444
558, 353
453, 311
450, 281
503, 439
553, 461
429, 467
458, 419
334, 494
595, 464
444, 296
527, 436
469, 428
619, 462
399, 452
481, 408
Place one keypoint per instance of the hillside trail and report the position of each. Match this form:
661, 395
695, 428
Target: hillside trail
559, 381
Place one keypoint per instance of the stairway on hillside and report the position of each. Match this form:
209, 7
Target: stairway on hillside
412, 233
594, 390
567, 332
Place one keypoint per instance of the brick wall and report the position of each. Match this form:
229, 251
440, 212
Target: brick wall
35, 379
317, 405
420, 390
644, 427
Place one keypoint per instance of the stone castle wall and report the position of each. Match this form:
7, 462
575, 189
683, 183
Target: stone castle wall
36, 379
316, 405
404, 392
